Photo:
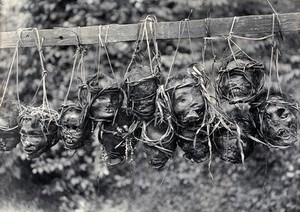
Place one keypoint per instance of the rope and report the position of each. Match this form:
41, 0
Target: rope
103, 45
176, 51
72, 74
9, 73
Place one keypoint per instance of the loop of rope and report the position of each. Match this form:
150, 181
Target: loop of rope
176, 50
103, 45
149, 22
39, 44
15, 57
72, 74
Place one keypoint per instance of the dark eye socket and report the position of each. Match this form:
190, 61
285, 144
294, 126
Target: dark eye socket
23, 135
283, 113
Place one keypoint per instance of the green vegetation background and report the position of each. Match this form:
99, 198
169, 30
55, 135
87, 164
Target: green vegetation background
61, 180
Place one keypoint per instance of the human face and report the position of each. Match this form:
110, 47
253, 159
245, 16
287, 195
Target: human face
33, 139
71, 129
235, 86
280, 124
188, 104
105, 106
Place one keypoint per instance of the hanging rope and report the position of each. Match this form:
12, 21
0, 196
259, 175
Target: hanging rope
45, 105
104, 46
180, 33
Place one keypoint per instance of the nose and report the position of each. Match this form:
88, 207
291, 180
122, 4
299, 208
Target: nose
26, 142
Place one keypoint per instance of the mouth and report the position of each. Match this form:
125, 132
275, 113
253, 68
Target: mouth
72, 143
190, 118
286, 137
237, 92
283, 133
29, 150
109, 110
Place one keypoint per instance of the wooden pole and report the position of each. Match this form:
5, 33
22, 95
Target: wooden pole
255, 25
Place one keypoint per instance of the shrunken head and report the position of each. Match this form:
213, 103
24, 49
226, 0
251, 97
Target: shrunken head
276, 117
75, 126
240, 79
39, 131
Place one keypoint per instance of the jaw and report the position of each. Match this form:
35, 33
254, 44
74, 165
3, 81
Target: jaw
34, 154
281, 137
73, 143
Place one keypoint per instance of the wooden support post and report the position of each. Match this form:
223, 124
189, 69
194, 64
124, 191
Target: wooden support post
244, 26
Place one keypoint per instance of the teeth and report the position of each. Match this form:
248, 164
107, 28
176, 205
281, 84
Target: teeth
234, 91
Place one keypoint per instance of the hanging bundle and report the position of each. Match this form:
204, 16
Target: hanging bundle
106, 97
159, 143
9, 130
190, 108
141, 86
275, 115
39, 125
142, 78
75, 127
240, 79
10, 108
117, 137
234, 143
38, 129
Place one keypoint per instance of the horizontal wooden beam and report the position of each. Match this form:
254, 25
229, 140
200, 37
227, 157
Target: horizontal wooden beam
255, 25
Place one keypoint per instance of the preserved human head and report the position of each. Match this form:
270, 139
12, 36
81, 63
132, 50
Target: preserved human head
75, 126
117, 138
105, 105
39, 130
276, 117
195, 146
186, 96
233, 143
159, 143
240, 79
141, 85
9, 131
106, 97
